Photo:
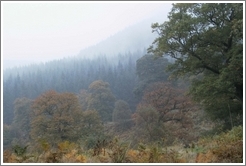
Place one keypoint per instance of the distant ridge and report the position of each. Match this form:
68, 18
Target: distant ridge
137, 37
133, 38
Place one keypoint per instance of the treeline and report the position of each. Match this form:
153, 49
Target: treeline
95, 115
71, 75
92, 100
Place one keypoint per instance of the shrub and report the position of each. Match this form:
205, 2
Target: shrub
226, 147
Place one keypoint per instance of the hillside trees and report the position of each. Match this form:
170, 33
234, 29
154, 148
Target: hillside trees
70, 75
56, 117
206, 40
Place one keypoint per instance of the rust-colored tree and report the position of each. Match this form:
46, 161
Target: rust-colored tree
174, 108
171, 102
56, 117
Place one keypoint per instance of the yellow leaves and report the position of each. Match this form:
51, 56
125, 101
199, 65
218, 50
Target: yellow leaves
98, 85
72, 156
66, 146
45, 146
134, 156
80, 159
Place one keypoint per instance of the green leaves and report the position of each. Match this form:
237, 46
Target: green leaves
19, 151
206, 40
101, 99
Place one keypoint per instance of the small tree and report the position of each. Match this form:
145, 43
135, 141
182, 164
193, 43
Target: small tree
148, 127
21, 122
101, 99
122, 114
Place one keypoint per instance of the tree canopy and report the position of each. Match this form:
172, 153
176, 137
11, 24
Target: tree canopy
206, 40
101, 99
56, 117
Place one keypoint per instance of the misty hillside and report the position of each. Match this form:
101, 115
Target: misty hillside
115, 102
105, 60
131, 39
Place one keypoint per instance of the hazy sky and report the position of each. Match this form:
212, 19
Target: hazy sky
45, 30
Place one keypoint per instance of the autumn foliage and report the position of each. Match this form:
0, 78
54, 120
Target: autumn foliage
56, 117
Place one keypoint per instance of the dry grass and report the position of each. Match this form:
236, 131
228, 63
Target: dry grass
224, 148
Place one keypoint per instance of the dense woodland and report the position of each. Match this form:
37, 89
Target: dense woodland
180, 101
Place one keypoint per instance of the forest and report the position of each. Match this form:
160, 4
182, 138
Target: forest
179, 101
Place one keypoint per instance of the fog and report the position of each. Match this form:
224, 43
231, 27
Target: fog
35, 32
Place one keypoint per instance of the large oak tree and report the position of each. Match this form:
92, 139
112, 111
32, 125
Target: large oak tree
206, 40
56, 117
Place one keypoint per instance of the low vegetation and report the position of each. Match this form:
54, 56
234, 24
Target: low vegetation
226, 147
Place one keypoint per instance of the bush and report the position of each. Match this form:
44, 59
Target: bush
226, 147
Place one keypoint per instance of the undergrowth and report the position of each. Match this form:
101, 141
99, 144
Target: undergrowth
226, 147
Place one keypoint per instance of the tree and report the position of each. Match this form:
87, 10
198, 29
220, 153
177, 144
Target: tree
101, 99
56, 117
175, 109
206, 40
83, 97
92, 128
150, 69
122, 114
171, 102
22, 118
91, 123
148, 127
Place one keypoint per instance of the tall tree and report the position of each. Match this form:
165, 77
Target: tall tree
150, 69
206, 39
22, 118
101, 99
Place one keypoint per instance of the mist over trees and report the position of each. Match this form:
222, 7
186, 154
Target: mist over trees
179, 102
71, 75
